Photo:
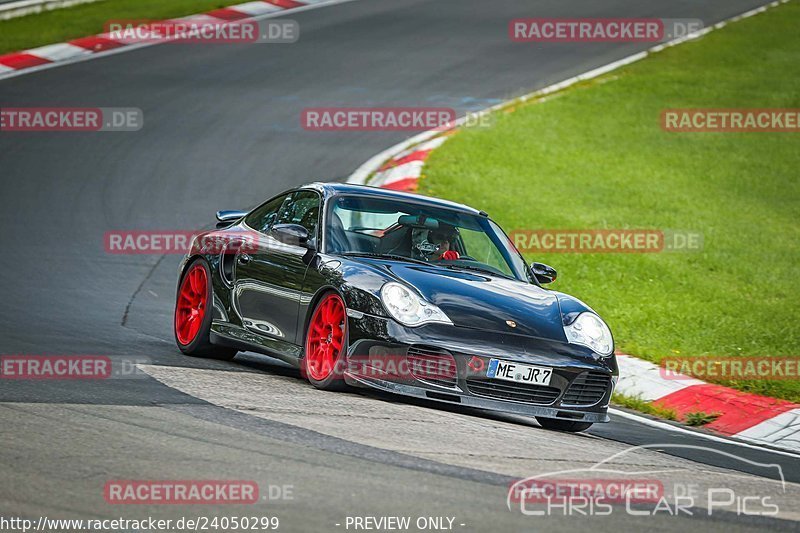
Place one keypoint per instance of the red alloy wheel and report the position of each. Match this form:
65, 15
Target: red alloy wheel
325, 337
191, 308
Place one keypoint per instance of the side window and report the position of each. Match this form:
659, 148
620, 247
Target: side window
302, 209
262, 217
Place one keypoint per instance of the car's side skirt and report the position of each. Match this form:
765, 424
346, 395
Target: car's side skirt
225, 334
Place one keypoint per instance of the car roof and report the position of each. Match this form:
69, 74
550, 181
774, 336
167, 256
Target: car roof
329, 189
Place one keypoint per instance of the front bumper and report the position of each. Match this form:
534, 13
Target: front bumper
448, 364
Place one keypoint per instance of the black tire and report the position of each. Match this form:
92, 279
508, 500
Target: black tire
555, 424
200, 345
334, 380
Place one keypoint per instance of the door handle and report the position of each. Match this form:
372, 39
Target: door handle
243, 259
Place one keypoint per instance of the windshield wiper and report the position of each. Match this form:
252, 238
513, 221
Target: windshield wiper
426, 263
385, 256
477, 269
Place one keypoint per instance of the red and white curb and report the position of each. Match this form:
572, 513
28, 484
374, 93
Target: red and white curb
20, 8
743, 415
35, 59
401, 171
748, 417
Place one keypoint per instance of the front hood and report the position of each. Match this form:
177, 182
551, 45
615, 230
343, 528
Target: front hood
474, 300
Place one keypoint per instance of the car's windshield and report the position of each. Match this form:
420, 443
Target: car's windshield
420, 232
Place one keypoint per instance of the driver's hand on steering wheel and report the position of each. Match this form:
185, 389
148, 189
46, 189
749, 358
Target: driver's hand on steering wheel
445, 253
450, 255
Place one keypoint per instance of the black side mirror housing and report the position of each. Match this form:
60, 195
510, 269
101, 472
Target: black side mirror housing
543, 273
293, 234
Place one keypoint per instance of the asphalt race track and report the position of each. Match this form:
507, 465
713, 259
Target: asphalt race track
222, 130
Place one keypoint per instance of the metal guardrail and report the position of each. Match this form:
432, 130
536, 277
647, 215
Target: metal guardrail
18, 8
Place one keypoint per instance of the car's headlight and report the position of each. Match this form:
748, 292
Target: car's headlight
408, 308
589, 330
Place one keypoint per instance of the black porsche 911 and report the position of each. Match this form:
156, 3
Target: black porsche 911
395, 291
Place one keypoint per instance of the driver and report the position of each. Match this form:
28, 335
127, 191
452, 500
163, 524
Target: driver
437, 244
445, 237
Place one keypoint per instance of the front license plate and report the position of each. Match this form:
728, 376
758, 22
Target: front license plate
508, 371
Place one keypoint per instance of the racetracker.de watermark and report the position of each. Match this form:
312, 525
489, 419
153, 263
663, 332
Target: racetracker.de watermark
70, 367
146, 242
202, 31
560, 491
180, 492
402, 367
71, 119
731, 120
731, 368
615, 241
595, 30
377, 118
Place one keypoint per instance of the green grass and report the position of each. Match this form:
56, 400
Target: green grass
89, 19
700, 418
595, 156
637, 404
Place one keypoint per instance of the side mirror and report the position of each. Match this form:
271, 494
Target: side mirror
228, 217
544, 273
293, 234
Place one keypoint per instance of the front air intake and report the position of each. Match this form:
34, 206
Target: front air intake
587, 389
433, 366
